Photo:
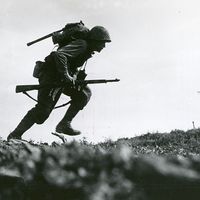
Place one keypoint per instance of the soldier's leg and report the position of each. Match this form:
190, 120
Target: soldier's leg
79, 101
26, 123
47, 99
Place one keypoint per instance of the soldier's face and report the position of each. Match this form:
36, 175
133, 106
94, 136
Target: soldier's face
98, 45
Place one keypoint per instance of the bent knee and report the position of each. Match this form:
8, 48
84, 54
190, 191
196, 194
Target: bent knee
82, 98
41, 114
85, 97
40, 119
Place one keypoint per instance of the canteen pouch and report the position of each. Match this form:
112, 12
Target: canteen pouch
39, 65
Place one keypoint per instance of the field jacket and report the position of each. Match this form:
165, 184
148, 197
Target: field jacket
63, 64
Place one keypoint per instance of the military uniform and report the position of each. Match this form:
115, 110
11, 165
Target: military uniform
61, 66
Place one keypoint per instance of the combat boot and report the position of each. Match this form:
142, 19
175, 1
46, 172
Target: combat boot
14, 135
23, 126
64, 125
67, 129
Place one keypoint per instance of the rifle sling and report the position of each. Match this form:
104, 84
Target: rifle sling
62, 105
28, 95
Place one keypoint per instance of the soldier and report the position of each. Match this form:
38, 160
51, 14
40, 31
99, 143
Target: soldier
63, 66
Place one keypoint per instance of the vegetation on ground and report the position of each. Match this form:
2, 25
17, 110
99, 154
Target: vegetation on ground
164, 166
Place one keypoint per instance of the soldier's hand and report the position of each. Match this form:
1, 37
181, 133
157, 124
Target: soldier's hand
55, 37
81, 75
76, 86
73, 82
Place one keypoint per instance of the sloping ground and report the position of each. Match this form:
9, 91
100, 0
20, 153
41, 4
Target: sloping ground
148, 167
176, 142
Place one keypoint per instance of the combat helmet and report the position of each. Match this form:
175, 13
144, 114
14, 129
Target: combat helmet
99, 33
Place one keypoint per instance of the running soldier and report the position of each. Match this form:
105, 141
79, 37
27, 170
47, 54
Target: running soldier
63, 66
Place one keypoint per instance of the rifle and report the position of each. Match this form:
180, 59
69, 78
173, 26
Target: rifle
44, 37
68, 27
24, 88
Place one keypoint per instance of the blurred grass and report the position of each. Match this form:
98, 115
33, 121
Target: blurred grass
163, 166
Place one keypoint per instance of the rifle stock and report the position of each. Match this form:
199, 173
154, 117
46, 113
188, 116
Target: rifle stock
24, 88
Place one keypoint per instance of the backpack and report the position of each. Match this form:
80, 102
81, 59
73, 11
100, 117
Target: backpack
70, 32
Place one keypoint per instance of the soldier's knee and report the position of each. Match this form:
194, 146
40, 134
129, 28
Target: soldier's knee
86, 95
41, 114
40, 119
82, 98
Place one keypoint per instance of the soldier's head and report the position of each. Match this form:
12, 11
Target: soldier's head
98, 36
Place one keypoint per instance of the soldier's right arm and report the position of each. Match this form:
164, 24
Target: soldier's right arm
62, 55
62, 67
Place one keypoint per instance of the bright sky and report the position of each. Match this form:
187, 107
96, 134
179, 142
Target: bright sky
155, 51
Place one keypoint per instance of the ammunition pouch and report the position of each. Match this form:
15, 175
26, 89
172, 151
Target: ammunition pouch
39, 66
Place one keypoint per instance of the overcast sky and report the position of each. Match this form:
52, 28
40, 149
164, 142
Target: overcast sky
155, 51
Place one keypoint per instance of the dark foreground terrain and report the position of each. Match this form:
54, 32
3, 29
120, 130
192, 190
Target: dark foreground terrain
164, 166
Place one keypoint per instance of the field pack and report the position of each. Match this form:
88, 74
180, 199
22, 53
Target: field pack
62, 37
70, 32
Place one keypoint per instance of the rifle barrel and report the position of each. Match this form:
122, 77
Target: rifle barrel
23, 88
98, 81
42, 38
